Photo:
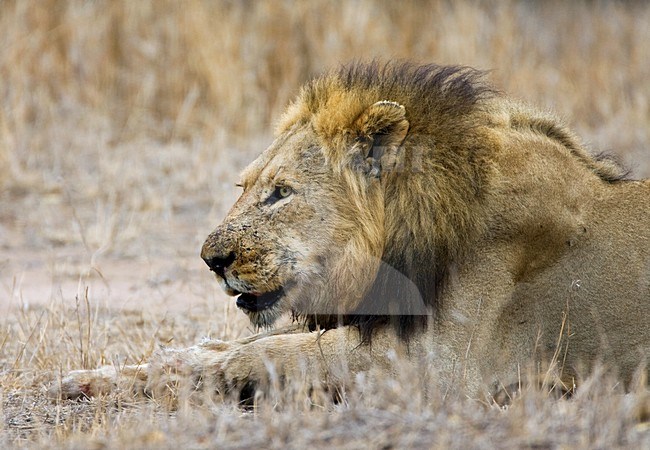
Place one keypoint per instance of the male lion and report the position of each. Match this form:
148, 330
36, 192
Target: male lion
412, 210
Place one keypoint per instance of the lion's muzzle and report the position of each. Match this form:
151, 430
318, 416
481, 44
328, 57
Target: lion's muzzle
223, 255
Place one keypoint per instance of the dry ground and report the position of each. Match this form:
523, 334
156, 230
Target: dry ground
122, 127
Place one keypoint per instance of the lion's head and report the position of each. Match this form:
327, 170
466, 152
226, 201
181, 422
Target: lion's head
342, 218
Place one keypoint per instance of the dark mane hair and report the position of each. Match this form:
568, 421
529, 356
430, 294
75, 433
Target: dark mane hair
426, 90
449, 93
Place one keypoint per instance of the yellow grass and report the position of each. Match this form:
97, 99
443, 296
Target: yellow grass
122, 127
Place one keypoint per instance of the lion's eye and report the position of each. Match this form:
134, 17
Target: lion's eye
283, 191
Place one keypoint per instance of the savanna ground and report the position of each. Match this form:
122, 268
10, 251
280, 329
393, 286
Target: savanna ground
123, 125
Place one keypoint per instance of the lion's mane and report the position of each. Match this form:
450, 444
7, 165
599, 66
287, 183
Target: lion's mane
434, 206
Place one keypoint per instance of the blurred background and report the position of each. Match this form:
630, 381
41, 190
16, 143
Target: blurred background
124, 124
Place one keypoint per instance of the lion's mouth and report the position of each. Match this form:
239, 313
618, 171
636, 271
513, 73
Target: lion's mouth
256, 303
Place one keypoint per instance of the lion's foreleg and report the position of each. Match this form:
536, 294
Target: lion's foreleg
268, 359
301, 361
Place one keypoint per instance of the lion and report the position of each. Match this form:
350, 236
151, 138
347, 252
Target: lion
415, 211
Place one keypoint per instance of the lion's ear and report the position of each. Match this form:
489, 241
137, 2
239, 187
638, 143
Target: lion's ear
381, 129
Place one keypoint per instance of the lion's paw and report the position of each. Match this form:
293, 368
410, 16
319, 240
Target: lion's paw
85, 383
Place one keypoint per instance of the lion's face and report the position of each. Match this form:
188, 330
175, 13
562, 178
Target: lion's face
278, 245
306, 235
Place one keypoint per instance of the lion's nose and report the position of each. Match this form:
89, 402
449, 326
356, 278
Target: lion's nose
218, 264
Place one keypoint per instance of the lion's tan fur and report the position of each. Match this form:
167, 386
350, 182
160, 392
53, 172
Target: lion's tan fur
524, 247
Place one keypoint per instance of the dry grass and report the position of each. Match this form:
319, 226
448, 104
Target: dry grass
121, 126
